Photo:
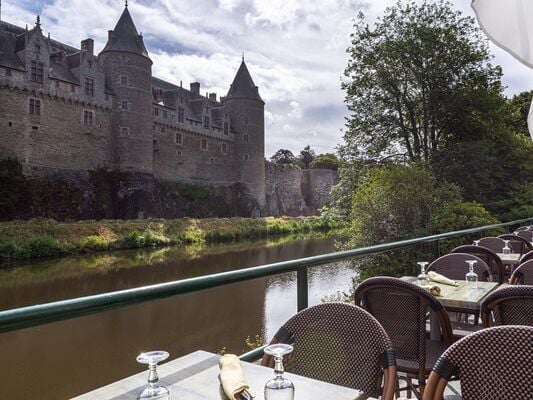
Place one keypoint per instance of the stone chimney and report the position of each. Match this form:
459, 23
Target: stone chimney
195, 89
88, 46
213, 96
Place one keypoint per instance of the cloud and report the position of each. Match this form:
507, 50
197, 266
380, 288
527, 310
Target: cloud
294, 49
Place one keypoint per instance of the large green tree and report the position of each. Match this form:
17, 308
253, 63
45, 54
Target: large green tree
419, 76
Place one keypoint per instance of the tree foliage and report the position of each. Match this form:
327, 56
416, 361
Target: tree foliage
419, 76
306, 157
283, 156
326, 161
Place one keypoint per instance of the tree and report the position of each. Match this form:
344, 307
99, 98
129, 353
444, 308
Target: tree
283, 156
326, 161
307, 155
416, 78
519, 110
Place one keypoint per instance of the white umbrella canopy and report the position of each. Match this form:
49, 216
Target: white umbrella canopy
509, 24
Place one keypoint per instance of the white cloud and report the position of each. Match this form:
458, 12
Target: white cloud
294, 49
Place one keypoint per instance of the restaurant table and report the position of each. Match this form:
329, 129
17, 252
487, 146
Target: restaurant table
195, 377
509, 259
462, 298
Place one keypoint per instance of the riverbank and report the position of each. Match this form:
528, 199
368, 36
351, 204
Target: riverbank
23, 240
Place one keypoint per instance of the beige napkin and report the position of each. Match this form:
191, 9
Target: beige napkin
434, 277
232, 378
433, 289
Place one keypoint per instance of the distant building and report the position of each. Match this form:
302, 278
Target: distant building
67, 109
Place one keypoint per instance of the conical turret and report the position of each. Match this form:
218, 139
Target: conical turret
243, 86
125, 37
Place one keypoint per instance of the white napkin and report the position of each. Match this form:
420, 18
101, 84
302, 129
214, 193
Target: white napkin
434, 277
232, 378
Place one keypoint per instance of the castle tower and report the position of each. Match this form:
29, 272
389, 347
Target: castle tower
128, 72
247, 115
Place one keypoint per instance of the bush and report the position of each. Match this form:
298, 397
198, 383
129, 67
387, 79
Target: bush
136, 239
38, 247
194, 192
325, 161
95, 243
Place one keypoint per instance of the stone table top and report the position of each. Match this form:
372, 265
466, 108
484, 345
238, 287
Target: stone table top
195, 377
513, 258
462, 297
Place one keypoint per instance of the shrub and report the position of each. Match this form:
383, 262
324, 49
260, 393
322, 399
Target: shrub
95, 243
325, 161
134, 239
38, 247
194, 192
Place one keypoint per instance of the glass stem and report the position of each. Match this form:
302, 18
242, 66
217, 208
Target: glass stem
153, 378
278, 366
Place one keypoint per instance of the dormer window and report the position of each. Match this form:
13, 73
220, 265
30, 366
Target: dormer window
36, 72
165, 114
181, 114
89, 86
156, 111
37, 49
226, 128
124, 105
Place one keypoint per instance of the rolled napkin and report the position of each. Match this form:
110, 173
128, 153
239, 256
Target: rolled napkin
433, 289
232, 378
434, 277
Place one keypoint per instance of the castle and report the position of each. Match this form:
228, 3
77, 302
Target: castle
67, 109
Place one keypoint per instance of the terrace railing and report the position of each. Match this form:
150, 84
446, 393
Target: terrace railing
31, 316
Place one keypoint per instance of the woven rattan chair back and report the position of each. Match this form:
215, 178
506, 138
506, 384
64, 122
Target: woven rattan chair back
523, 275
493, 243
401, 308
527, 235
505, 374
510, 305
340, 344
454, 266
523, 228
526, 257
518, 243
491, 259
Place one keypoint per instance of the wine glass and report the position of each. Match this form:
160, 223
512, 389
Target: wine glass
471, 277
422, 277
507, 248
279, 388
476, 242
153, 391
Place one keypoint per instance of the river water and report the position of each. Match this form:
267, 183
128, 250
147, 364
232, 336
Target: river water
63, 359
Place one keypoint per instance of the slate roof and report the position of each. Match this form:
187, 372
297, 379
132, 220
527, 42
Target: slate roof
125, 37
8, 43
243, 85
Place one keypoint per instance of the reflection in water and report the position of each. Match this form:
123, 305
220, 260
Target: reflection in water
63, 359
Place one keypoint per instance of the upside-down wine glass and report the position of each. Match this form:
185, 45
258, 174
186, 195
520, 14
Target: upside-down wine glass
476, 242
471, 277
279, 388
507, 248
422, 276
154, 391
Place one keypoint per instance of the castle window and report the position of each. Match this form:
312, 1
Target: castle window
179, 153
10, 123
165, 113
156, 111
124, 80
212, 160
36, 72
156, 145
179, 138
246, 157
37, 49
206, 122
88, 117
163, 129
203, 144
181, 114
246, 138
89, 86
72, 88
90, 64
226, 128
8, 72
224, 148
124, 131
124, 105
35, 107
35, 127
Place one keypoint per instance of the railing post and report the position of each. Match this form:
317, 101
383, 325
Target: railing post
302, 288
436, 249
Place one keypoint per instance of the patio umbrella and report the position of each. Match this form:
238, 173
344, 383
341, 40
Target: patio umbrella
508, 24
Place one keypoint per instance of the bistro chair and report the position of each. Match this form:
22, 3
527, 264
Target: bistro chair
527, 235
523, 274
401, 308
454, 266
491, 259
341, 344
493, 243
526, 257
510, 305
492, 364
523, 228
518, 244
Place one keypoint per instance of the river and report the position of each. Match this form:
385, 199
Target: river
63, 359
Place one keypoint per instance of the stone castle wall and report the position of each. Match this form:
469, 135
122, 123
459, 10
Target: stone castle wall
293, 191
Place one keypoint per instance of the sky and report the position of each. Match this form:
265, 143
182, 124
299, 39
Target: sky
294, 49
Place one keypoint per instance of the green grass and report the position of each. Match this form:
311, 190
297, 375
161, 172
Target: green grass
20, 240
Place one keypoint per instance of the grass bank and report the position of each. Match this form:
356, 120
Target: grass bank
22, 240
